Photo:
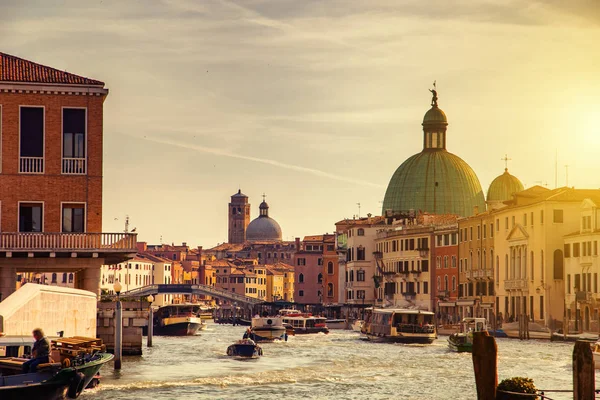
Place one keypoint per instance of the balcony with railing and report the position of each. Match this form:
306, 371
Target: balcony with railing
74, 166
105, 244
31, 165
515, 284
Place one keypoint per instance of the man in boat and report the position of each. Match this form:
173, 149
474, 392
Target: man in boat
40, 352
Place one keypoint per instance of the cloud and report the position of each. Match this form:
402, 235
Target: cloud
275, 163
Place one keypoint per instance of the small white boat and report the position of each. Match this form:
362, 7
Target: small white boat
357, 325
337, 324
266, 329
304, 323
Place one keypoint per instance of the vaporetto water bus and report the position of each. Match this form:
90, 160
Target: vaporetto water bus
304, 322
400, 325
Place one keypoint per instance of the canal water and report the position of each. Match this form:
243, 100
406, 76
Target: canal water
335, 366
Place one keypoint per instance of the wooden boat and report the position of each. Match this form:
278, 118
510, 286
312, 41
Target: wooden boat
561, 337
266, 329
304, 323
72, 372
463, 341
400, 325
178, 320
245, 348
337, 323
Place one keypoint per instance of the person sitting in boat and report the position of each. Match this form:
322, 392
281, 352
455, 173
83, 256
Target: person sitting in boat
248, 334
40, 352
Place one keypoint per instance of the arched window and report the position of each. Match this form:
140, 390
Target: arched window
64, 277
330, 290
301, 278
54, 277
71, 278
484, 260
445, 282
439, 283
330, 268
497, 270
558, 264
454, 283
320, 278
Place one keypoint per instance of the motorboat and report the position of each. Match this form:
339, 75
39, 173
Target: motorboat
245, 348
266, 329
178, 320
68, 373
400, 325
463, 341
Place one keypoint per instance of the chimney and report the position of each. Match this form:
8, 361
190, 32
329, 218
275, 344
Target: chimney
369, 218
142, 246
184, 244
297, 244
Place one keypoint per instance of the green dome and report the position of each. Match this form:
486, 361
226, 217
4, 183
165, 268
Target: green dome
503, 187
437, 182
435, 116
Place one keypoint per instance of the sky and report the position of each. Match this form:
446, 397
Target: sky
316, 103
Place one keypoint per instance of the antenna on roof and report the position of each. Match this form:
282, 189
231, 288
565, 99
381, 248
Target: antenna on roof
358, 204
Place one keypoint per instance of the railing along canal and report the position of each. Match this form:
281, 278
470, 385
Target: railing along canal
15, 241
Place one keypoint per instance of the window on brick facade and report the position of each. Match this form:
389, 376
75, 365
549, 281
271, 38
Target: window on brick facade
74, 133
330, 268
73, 218
30, 217
31, 126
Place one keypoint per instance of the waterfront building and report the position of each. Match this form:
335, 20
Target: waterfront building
132, 274
331, 271
582, 266
308, 268
476, 266
245, 277
529, 249
407, 248
280, 282
434, 180
360, 234
51, 130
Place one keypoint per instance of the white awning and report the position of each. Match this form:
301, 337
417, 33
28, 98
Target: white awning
465, 302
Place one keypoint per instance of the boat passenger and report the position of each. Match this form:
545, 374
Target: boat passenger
40, 352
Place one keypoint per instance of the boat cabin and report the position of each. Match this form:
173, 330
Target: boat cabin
474, 325
392, 321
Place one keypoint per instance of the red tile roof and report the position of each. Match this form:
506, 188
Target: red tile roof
15, 69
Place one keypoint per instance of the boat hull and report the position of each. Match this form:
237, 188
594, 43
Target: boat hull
406, 339
336, 324
244, 351
268, 334
55, 387
178, 329
306, 331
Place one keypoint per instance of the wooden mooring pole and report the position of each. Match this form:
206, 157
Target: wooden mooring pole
584, 384
118, 333
485, 365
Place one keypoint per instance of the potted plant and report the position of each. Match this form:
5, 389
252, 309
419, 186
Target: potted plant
516, 385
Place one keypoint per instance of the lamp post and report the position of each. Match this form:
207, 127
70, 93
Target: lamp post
150, 321
118, 326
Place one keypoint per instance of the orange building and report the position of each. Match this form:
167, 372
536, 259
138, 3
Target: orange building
51, 176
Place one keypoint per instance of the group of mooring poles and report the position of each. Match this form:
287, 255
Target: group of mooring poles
485, 366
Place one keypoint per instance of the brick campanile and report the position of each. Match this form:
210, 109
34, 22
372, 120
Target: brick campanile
239, 217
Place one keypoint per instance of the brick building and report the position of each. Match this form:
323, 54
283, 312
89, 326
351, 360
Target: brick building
51, 159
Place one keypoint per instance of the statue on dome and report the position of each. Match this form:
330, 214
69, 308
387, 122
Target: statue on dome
434, 97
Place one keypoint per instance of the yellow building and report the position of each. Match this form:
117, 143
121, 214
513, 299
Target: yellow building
528, 244
280, 282
582, 267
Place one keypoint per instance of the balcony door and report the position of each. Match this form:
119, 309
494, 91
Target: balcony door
31, 146
73, 218
31, 217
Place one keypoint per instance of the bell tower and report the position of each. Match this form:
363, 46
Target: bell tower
239, 217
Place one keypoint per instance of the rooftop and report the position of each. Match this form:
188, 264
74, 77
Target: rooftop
15, 69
